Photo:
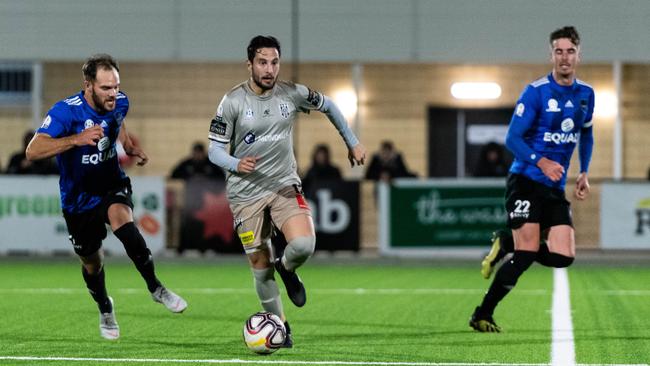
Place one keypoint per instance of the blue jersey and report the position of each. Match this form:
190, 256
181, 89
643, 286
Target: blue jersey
87, 172
548, 121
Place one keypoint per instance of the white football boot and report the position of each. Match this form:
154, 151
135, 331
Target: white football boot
108, 327
173, 302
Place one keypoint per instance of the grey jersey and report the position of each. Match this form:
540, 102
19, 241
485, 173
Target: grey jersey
262, 126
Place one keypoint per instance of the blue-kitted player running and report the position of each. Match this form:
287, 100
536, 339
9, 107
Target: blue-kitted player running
82, 132
552, 116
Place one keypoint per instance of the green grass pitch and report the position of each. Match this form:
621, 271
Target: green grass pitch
406, 312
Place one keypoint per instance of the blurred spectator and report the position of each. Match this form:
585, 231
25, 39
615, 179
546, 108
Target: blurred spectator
321, 167
18, 163
491, 162
387, 164
197, 164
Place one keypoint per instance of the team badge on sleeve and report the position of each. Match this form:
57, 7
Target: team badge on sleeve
519, 111
314, 98
218, 126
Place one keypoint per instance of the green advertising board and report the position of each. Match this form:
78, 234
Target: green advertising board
440, 213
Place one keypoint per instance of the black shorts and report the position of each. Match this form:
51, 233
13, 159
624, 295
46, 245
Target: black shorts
530, 201
87, 229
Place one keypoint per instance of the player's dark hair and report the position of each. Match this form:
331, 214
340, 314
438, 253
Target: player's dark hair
262, 42
94, 62
565, 32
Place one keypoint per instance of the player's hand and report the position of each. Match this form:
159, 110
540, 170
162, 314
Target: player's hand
551, 169
582, 187
89, 136
140, 154
357, 155
247, 164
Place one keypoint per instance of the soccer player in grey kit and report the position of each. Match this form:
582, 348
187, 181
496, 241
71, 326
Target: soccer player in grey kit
256, 119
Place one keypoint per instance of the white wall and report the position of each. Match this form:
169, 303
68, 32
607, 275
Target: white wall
468, 31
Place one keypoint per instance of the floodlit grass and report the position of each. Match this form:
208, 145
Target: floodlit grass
405, 312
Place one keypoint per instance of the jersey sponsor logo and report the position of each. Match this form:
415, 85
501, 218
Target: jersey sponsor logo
561, 138
519, 110
103, 143
46, 122
266, 113
284, 110
552, 106
218, 126
249, 114
273, 137
104, 124
249, 138
88, 124
247, 238
568, 104
314, 98
101, 157
567, 125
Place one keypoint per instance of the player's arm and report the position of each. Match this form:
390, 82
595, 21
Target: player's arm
219, 157
130, 148
356, 150
584, 151
585, 148
221, 131
522, 120
44, 146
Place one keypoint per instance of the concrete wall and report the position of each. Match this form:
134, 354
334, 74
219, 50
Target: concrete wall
465, 31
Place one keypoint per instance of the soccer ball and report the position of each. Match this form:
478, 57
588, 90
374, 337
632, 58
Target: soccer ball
264, 332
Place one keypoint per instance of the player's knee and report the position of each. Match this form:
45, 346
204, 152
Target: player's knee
560, 261
299, 250
92, 269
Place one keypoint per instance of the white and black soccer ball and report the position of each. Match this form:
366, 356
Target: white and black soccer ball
264, 332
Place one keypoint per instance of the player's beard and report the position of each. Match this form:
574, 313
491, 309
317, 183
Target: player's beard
258, 81
101, 104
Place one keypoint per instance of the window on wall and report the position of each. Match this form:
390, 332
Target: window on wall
15, 83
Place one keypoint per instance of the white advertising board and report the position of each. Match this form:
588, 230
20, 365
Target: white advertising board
625, 215
31, 218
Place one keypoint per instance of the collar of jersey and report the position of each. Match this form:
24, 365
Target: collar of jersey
561, 87
260, 97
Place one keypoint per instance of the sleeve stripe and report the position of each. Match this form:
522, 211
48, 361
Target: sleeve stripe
213, 138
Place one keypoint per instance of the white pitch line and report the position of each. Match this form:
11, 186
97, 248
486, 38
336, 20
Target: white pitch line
562, 347
278, 362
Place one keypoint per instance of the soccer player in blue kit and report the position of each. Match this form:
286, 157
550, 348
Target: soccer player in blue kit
552, 116
82, 132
